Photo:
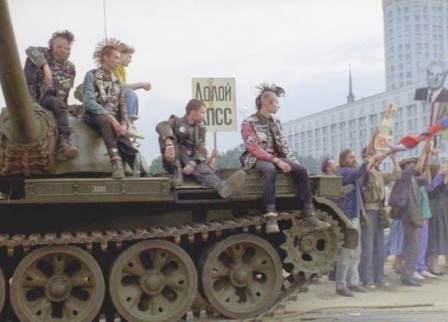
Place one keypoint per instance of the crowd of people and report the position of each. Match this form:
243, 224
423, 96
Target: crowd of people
415, 211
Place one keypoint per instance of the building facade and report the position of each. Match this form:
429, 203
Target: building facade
415, 33
351, 125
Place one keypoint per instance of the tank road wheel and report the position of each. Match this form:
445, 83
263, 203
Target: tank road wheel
314, 252
2, 290
241, 276
57, 283
153, 280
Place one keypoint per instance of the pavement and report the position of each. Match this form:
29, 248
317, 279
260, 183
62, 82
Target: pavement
395, 303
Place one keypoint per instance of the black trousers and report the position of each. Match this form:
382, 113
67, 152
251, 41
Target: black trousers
60, 111
301, 180
103, 125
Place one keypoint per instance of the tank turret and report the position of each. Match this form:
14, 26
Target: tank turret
27, 145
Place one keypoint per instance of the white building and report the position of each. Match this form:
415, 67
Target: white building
351, 125
415, 33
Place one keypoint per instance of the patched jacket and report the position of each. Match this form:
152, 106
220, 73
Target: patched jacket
264, 140
189, 140
103, 94
63, 73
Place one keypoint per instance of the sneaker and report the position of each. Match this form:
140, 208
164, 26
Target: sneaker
311, 224
370, 287
410, 282
357, 289
133, 132
427, 274
382, 284
232, 184
345, 292
417, 276
271, 224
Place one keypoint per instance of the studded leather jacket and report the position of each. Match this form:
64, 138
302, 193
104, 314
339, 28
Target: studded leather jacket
189, 140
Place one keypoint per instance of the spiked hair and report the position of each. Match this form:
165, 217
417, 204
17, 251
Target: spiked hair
265, 87
107, 42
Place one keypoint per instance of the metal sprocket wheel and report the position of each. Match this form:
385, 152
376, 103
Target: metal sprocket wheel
2, 290
241, 276
57, 283
153, 280
312, 252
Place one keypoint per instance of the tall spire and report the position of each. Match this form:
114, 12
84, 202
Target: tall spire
350, 97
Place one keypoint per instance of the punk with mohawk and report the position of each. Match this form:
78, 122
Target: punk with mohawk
105, 107
268, 151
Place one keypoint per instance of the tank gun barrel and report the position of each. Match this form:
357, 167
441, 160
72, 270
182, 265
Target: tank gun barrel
24, 127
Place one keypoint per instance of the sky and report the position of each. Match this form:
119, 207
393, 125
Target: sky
305, 46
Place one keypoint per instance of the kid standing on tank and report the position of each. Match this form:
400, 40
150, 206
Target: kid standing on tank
182, 144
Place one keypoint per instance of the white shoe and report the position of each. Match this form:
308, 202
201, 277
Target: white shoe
417, 276
427, 274
132, 131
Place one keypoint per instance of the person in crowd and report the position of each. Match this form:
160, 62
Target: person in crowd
182, 144
50, 77
373, 250
267, 150
329, 167
406, 198
126, 53
352, 204
438, 223
105, 108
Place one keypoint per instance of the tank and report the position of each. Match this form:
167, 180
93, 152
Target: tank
78, 246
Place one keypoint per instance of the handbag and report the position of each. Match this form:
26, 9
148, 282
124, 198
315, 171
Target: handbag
383, 216
416, 217
415, 214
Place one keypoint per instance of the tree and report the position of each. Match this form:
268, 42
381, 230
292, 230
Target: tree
156, 165
230, 159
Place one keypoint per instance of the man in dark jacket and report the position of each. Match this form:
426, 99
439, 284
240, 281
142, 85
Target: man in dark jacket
182, 144
352, 204
50, 76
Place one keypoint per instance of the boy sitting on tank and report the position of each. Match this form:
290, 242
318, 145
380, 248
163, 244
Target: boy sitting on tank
105, 108
50, 76
182, 144
268, 151
126, 53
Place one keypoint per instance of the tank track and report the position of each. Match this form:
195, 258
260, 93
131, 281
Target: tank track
178, 234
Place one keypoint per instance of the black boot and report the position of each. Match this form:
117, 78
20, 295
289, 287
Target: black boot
117, 164
65, 150
177, 178
311, 222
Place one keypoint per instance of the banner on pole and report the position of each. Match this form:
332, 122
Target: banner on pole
384, 136
219, 97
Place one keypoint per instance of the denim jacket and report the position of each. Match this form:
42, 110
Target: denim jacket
350, 204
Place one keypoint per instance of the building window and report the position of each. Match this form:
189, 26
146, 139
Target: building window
351, 124
373, 119
362, 121
342, 126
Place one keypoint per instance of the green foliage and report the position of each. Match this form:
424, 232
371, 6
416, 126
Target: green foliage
156, 166
230, 159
